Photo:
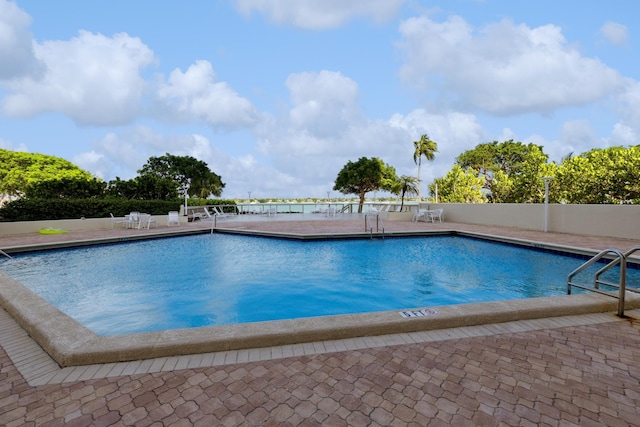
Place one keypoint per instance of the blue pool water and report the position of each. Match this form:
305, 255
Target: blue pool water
218, 279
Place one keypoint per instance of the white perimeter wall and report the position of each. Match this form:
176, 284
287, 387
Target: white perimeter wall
622, 221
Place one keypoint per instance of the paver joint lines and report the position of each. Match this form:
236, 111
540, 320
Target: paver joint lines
583, 375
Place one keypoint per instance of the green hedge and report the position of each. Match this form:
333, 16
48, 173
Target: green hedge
46, 209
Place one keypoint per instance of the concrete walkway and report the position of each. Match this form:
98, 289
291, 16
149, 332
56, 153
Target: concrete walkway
579, 370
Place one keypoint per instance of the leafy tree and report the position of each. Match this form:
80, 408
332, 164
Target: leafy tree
608, 175
144, 187
66, 188
363, 176
511, 170
19, 171
459, 186
185, 171
423, 147
406, 185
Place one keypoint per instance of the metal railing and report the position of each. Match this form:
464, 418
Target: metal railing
369, 227
619, 258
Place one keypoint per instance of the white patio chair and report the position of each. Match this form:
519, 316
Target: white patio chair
145, 220
173, 218
132, 220
436, 214
419, 213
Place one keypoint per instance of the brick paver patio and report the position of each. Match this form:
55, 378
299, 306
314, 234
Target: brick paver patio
585, 374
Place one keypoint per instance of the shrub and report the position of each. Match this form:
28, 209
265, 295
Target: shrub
50, 209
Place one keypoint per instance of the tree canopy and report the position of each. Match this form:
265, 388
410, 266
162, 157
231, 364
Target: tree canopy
511, 170
602, 175
29, 174
185, 171
459, 186
49, 177
144, 187
367, 174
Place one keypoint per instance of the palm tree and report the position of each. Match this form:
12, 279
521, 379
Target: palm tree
427, 148
406, 185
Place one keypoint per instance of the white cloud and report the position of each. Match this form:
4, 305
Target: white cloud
95, 162
325, 128
123, 154
195, 95
454, 133
623, 135
615, 33
16, 44
578, 136
8, 145
93, 79
324, 103
320, 14
316, 161
502, 68
629, 105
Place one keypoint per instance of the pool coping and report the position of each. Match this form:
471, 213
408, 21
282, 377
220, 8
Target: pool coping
71, 344
306, 236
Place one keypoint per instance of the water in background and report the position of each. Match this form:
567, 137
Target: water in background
218, 279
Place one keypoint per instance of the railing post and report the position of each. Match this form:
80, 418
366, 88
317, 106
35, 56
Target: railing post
623, 286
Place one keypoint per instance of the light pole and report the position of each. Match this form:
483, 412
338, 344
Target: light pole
185, 188
546, 180
249, 196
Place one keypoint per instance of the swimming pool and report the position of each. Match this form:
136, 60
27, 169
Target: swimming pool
222, 279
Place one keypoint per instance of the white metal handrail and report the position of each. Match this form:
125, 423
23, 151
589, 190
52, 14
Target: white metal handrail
621, 285
369, 227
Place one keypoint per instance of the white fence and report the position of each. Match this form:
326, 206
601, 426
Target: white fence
620, 221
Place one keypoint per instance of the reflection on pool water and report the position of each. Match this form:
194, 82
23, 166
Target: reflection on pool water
208, 280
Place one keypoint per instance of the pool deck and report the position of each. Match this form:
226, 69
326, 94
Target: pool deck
559, 371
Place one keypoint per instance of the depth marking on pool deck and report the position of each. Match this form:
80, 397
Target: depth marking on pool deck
37, 368
418, 313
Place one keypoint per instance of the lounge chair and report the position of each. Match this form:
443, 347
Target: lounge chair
217, 212
115, 221
173, 218
195, 216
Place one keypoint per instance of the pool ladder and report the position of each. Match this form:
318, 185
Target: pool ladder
5, 254
618, 258
368, 226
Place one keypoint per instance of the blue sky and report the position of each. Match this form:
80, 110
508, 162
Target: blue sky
276, 96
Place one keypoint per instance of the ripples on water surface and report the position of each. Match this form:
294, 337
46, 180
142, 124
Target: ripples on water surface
220, 279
